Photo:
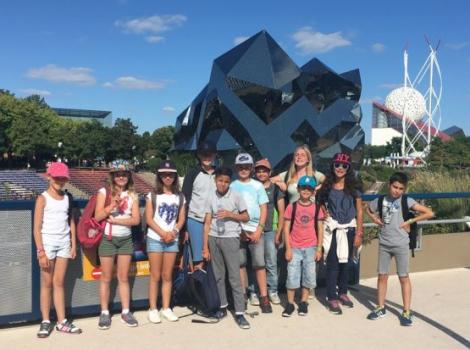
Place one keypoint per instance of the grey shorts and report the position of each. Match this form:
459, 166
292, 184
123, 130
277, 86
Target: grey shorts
256, 253
402, 259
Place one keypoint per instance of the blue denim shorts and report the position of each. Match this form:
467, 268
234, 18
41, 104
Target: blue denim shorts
302, 265
154, 246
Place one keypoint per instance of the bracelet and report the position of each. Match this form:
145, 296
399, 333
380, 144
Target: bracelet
319, 248
262, 226
175, 229
41, 250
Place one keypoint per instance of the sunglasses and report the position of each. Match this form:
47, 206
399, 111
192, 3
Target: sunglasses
121, 174
341, 165
167, 174
244, 167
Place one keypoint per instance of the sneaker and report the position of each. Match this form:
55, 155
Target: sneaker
154, 316
169, 315
274, 297
45, 329
221, 313
288, 310
334, 308
345, 301
405, 318
242, 322
303, 308
254, 299
67, 327
129, 319
105, 321
265, 305
377, 313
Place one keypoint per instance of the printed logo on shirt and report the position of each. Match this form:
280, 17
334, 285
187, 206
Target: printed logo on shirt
305, 219
168, 212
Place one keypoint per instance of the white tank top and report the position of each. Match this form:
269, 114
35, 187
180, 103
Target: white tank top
55, 222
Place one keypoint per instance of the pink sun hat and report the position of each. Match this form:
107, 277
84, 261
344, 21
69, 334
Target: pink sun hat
57, 169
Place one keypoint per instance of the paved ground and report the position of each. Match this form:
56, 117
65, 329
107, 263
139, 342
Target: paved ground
441, 303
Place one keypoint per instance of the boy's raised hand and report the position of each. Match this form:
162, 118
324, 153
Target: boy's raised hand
223, 214
377, 220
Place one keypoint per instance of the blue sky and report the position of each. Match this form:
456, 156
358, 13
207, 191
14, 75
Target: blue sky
147, 59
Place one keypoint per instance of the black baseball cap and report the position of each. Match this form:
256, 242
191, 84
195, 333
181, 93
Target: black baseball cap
166, 166
207, 147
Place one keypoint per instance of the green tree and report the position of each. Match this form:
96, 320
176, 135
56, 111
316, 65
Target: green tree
124, 140
31, 132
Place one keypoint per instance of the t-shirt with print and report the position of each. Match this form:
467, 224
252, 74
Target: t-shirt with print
123, 211
254, 194
166, 213
392, 215
303, 232
274, 194
292, 193
231, 201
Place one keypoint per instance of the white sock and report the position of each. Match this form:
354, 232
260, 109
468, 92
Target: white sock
105, 312
47, 321
125, 311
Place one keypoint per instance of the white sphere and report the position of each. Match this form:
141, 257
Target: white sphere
407, 102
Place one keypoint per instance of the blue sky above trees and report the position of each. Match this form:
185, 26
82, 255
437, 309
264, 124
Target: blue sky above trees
147, 60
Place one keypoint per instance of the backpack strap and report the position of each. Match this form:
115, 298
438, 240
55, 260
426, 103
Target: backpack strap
106, 203
292, 217
380, 205
404, 207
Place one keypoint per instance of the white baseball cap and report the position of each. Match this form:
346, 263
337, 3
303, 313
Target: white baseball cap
244, 159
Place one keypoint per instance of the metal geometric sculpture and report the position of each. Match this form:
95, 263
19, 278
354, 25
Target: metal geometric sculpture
258, 100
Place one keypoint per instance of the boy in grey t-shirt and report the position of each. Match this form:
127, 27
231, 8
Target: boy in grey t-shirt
394, 242
225, 210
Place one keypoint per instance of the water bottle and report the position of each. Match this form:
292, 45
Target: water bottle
220, 222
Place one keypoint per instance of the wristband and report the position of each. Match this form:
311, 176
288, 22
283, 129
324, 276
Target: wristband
39, 251
262, 226
319, 248
175, 229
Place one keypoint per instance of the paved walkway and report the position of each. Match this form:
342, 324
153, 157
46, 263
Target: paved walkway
441, 303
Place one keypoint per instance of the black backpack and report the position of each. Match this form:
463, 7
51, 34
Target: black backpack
407, 214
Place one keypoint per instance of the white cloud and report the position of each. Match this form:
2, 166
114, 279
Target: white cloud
30, 92
239, 39
168, 109
57, 74
309, 41
152, 26
378, 47
390, 86
154, 39
457, 46
133, 83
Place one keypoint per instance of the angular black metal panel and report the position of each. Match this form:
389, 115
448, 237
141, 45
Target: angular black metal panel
258, 100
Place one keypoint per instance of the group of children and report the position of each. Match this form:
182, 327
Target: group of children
237, 225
